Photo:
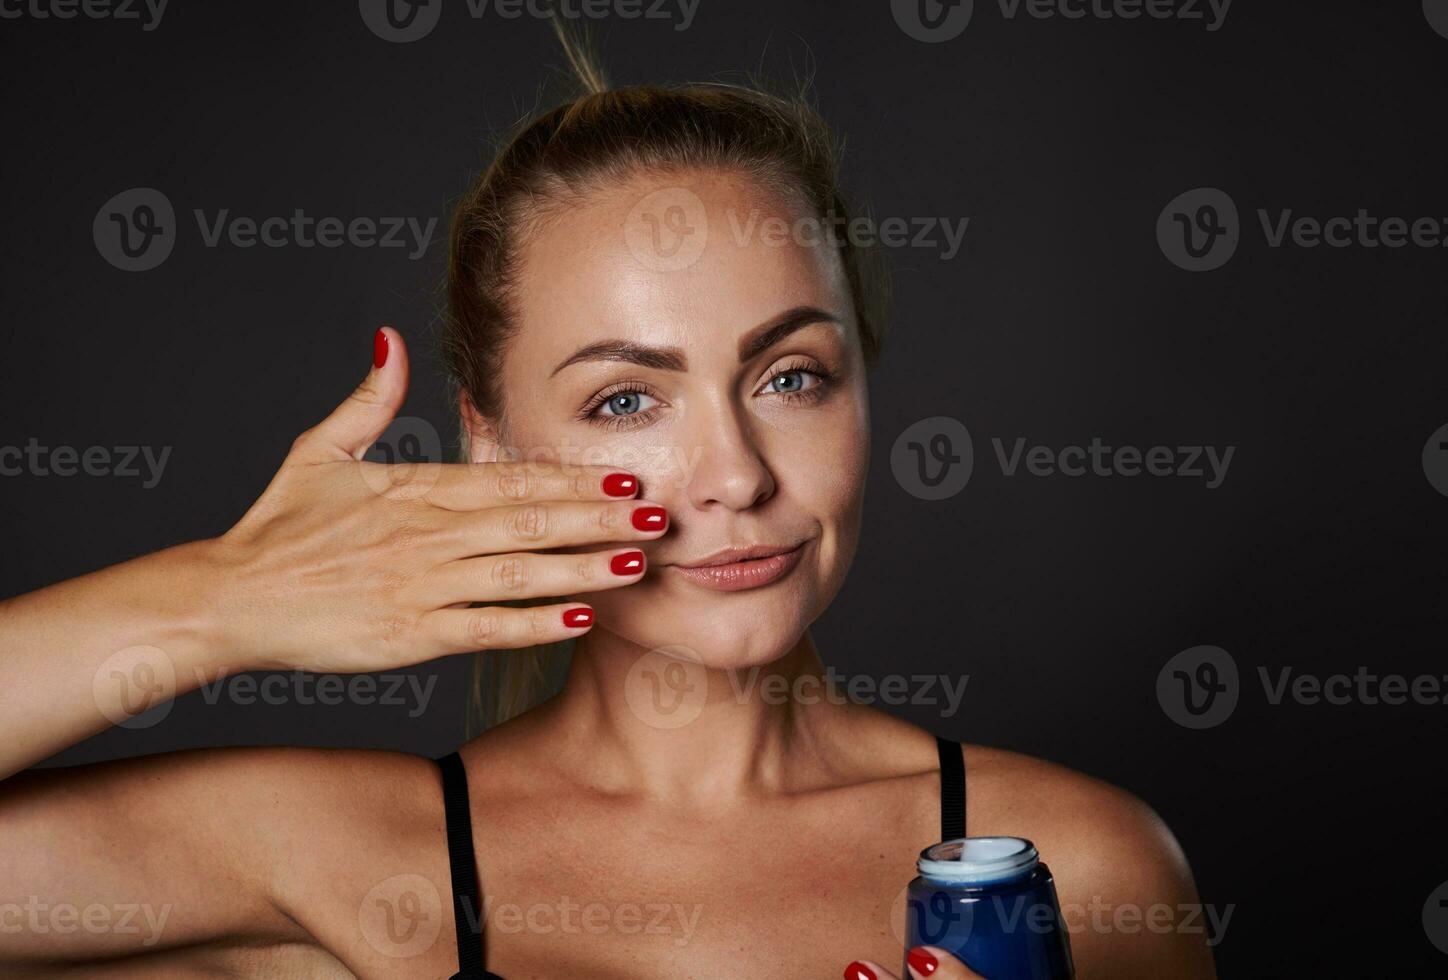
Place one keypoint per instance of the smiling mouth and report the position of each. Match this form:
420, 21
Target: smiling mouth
742, 568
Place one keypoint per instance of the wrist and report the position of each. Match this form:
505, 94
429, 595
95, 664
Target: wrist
192, 583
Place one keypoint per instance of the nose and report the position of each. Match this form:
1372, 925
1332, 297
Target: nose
731, 471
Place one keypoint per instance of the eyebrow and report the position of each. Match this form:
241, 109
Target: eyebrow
751, 345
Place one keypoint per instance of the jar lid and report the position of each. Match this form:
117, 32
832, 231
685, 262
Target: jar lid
978, 860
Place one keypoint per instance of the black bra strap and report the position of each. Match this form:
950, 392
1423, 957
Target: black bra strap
952, 789
467, 903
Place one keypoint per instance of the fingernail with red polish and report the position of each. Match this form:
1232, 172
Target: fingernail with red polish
922, 962
620, 485
859, 971
379, 348
574, 618
628, 563
650, 518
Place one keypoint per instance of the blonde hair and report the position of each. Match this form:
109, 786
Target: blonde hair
602, 135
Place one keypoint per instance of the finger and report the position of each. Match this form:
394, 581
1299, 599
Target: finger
358, 422
505, 627
531, 527
938, 964
868, 970
470, 486
525, 575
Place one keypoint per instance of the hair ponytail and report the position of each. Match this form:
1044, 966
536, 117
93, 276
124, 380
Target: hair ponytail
583, 57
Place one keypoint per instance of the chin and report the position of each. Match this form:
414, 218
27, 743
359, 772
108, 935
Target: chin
720, 630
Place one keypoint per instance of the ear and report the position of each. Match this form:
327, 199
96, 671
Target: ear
484, 442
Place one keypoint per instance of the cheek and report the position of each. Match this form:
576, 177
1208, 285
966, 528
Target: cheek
838, 464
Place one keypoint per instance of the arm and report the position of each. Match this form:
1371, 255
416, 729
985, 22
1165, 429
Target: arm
342, 566
137, 858
82, 655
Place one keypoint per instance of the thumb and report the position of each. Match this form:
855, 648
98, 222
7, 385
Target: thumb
358, 422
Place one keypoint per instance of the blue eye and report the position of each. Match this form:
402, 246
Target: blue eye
623, 403
793, 381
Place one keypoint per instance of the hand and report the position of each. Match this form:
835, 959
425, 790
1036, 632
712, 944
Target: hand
924, 961
350, 566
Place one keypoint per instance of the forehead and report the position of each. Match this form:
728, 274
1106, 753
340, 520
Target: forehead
693, 260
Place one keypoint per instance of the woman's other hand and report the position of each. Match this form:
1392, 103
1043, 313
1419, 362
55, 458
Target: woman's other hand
924, 961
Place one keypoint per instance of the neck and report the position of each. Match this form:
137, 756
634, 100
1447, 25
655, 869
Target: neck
667, 727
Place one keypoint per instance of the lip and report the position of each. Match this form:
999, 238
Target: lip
737, 569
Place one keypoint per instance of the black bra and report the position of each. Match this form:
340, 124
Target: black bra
468, 897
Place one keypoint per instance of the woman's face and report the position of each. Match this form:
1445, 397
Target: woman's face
673, 327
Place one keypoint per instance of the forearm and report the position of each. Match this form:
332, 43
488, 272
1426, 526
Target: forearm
90, 652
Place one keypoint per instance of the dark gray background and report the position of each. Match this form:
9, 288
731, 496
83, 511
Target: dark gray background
1059, 321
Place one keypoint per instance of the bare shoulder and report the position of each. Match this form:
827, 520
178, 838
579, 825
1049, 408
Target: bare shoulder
317, 808
1102, 827
1124, 883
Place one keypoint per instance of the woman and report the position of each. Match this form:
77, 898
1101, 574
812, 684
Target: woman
666, 418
